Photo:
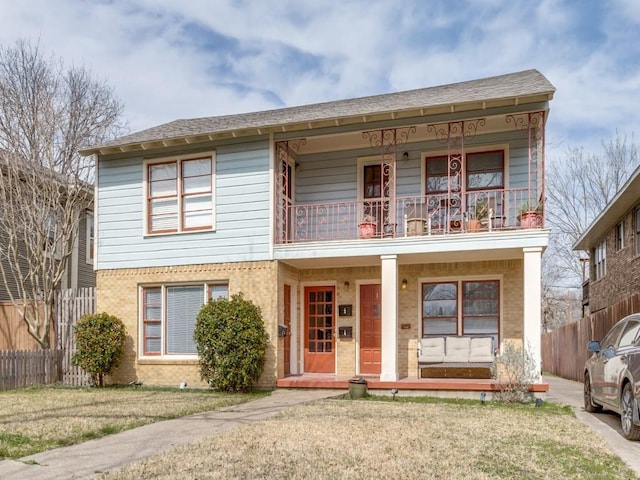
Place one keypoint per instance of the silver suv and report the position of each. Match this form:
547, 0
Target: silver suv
612, 374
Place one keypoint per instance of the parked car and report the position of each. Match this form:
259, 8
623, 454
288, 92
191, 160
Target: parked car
612, 374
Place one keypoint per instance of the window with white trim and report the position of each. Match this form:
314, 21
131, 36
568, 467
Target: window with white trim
169, 316
619, 236
179, 194
90, 239
470, 308
599, 255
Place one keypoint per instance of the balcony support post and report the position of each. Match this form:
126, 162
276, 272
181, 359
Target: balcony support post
389, 354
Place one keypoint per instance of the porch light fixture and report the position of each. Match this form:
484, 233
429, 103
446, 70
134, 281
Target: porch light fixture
405, 156
404, 284
346, 284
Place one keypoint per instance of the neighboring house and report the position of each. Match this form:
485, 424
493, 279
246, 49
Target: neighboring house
613, 244
361, 225
79, 273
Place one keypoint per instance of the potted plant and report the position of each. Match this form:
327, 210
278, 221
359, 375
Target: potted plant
368, 226
530, 215
478, 215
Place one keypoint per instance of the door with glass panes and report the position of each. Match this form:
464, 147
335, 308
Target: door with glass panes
319, 342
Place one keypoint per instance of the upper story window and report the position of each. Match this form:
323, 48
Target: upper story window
180, 195
636, 218
483, 171
619, 236
599, 256
90, 239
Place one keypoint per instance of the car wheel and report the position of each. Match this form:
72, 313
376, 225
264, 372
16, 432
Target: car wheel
589, 405
629, 430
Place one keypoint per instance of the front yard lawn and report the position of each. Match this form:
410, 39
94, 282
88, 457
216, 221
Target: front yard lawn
39, 419
433, 439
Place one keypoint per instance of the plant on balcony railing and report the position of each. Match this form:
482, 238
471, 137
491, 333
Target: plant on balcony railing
530, 214
368, 226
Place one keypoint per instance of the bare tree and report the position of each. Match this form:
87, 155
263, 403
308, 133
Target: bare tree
47, 113
578, 189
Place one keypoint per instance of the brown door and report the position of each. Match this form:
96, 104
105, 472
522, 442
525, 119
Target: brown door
370, 329
319, 343
287, 322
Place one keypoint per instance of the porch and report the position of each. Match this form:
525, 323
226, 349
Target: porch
407, 386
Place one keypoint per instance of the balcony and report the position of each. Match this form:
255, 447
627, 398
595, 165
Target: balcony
451, 213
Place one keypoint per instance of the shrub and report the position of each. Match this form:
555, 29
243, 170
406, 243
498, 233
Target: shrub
516, 371
100, 345
232, 343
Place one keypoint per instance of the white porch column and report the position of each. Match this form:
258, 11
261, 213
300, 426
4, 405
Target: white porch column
532, 293
389, 354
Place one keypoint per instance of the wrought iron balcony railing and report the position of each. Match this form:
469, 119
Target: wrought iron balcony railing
437, 214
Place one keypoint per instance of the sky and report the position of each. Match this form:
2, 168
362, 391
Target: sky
168, 59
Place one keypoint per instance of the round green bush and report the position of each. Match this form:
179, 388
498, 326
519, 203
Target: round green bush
99, 345
231, 342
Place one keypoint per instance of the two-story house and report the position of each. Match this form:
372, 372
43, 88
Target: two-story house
613, 244
359, 225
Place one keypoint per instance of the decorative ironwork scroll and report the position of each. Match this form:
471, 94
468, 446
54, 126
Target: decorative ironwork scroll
534, 124
454, 135
286, 152
387, 141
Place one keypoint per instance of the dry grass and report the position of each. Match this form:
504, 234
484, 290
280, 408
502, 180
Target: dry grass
38, 419
336, 439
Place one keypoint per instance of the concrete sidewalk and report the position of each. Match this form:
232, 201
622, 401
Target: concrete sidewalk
568, 392
87, 459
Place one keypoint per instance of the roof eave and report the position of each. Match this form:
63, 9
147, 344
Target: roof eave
614, 212
321, 123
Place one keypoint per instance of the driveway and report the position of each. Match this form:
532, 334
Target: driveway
607, 424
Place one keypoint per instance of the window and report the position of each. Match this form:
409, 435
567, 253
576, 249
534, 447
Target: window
637, 230
483, 171
619, 236
180, 195
461, 308
90, 238
599, 255
169, 316
630, 334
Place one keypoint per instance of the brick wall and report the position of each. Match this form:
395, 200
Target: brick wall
622, 278
117, 294
510, 271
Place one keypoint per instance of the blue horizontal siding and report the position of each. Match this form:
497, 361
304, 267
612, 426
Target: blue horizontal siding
242, 213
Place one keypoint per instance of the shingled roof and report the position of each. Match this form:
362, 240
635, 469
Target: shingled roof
519, 86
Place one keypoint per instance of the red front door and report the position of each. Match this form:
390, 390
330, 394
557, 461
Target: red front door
370, 329
287, 322
319, 339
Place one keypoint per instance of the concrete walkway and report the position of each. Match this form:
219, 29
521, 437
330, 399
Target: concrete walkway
87, 459
607, 424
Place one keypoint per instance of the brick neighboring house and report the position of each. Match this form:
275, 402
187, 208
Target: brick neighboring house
363, 225
613, 244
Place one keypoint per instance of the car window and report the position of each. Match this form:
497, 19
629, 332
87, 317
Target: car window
630, 333
611, 338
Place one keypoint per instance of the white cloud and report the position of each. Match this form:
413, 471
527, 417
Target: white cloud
170, 60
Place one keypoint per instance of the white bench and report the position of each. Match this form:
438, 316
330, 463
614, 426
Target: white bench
455, 352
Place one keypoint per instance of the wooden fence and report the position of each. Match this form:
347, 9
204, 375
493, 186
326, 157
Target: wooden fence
564, 350
24, 368
71, 304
